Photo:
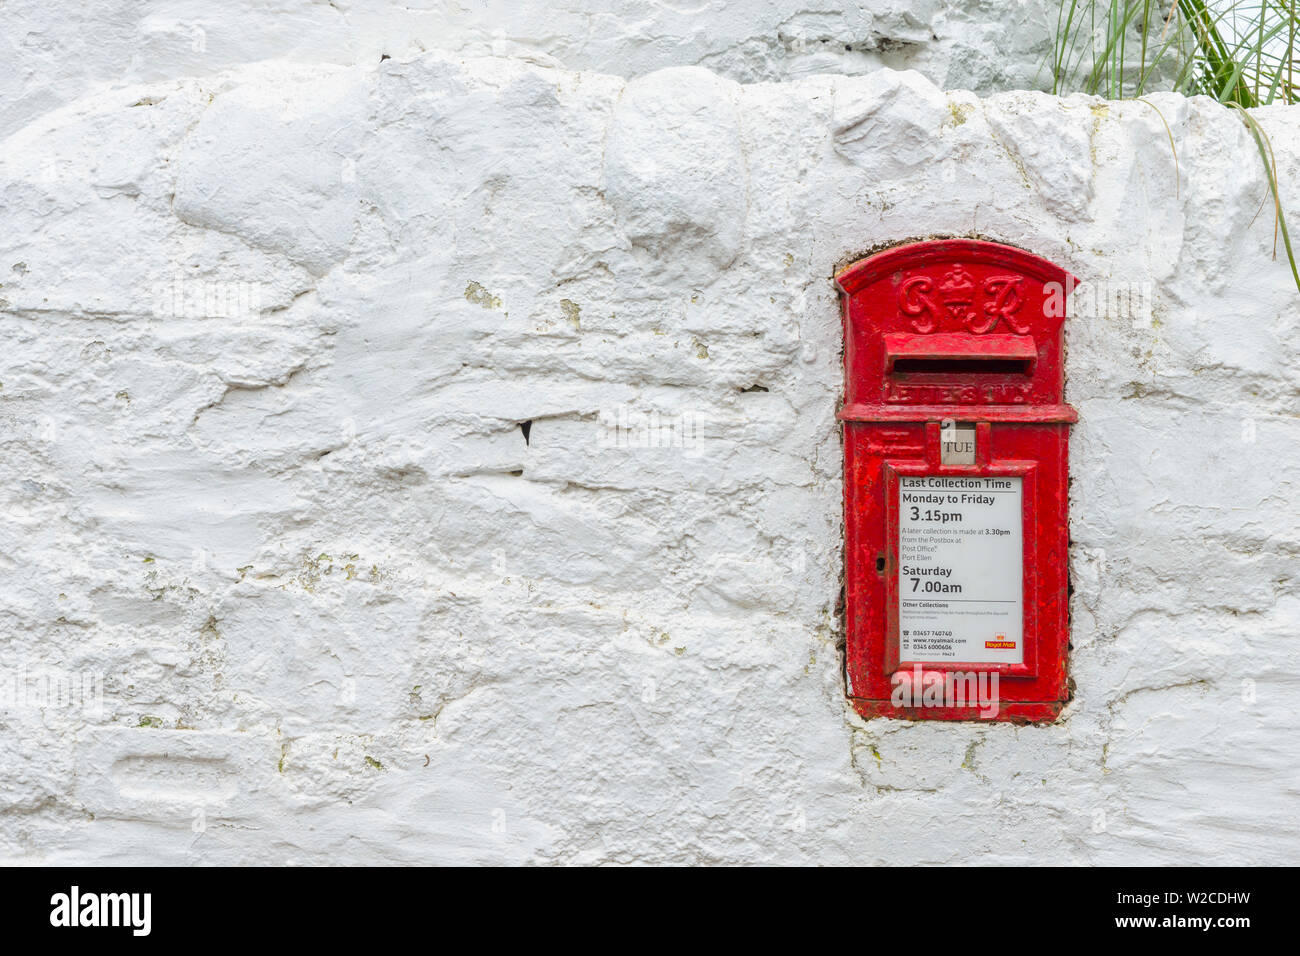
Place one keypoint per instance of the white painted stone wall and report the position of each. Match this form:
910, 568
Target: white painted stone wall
54, 51
270, 335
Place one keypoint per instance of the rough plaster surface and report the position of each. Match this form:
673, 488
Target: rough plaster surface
270, 337
54, 52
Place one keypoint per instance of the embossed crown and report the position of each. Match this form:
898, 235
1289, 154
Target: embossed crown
957, 291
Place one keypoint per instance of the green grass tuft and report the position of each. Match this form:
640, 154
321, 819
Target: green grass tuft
1239, 52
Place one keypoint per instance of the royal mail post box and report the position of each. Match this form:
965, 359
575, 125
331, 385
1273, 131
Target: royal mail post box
955, 483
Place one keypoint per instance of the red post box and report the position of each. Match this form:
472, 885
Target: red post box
955, 483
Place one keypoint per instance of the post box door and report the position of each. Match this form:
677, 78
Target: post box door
956, 481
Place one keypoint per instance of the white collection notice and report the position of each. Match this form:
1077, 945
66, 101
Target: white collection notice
960, 571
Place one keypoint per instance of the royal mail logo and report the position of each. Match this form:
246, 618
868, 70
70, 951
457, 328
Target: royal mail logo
1000, 643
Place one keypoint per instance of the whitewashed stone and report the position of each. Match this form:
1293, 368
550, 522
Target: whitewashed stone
60, 51
904, 110
675, 175
271, 336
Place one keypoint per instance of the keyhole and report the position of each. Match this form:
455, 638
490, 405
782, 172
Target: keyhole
880, 564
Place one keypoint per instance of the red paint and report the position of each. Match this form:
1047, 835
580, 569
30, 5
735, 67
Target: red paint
969, 331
